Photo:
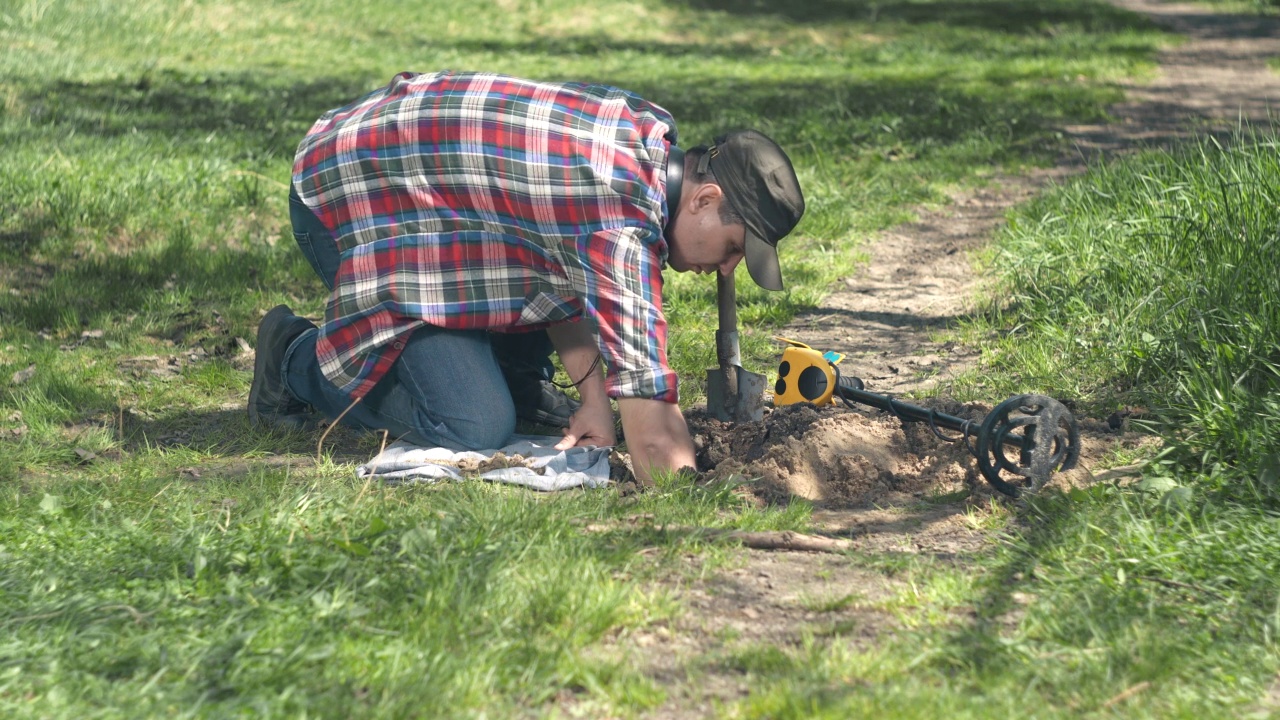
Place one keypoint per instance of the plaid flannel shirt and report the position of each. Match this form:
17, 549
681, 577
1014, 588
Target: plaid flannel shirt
480, 201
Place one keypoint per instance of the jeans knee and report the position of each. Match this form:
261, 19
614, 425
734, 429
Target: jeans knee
490, 432
480, 432
485, 430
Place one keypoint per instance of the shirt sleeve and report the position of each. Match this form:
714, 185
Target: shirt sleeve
621, 273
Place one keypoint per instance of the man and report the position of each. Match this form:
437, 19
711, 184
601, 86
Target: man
466, 222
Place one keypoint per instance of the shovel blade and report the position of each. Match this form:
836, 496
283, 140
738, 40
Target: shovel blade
746, 405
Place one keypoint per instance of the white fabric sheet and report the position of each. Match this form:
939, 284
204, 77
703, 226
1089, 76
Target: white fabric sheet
545, 468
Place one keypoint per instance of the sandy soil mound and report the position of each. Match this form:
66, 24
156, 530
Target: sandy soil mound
835, 456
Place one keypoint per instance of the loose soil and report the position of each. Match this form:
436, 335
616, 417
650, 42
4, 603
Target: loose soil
895, 489
836, 458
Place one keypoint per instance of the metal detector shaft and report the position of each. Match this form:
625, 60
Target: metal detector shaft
914, 413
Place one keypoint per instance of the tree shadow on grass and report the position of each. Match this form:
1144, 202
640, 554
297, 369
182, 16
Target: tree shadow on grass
840, 118
271, 119
1007, 16
229, 435
100, 290
593, 46
853, 128
269, 112
225, 444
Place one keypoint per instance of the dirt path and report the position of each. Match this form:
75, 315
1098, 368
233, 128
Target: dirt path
881, 486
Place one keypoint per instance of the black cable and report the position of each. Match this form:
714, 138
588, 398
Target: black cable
594, 364
973, 450
938, 433
836, 390
892, 410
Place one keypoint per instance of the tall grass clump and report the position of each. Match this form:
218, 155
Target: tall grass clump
1156, 283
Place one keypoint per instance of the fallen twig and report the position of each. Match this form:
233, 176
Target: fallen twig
788, 540
1182, 586
1126, 694
374, 470
137, 616
1119, 472
29, 618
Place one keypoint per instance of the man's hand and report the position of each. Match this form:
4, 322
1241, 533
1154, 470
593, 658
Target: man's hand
657, 437
591, 425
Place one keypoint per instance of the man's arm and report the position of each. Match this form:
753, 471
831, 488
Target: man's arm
592, 424
627, 299
657, 437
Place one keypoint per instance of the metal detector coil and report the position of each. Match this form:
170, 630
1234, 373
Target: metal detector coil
1049, 441
1019, 445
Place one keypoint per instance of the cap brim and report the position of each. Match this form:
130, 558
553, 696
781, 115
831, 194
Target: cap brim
762, 262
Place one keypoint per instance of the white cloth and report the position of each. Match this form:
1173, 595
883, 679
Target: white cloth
543, 467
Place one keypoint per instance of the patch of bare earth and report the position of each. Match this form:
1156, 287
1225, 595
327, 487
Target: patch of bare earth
879, 485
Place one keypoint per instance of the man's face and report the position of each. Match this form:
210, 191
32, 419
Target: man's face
700, 242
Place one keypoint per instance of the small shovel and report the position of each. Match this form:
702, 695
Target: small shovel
733, 394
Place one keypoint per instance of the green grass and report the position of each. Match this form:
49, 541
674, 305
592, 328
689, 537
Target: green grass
160, 558
140, 591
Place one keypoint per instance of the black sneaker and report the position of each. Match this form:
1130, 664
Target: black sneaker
551, 407
270, 402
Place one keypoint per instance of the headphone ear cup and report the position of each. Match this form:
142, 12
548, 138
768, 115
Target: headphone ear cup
674, 184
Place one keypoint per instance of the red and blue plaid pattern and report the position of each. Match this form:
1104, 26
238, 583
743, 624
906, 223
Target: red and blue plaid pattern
469, 201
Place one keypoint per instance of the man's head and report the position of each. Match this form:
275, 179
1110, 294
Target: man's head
740, 197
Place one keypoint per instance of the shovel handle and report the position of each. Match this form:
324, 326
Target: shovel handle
727, 352
727, 303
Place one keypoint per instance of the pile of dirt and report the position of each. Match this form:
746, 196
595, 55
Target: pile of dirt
835, 456
499, 461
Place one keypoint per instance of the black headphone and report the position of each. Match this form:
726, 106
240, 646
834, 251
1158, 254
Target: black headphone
675, 182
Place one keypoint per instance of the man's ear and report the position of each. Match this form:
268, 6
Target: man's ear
707, 195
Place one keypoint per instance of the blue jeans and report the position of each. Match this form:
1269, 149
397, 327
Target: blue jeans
449, 388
